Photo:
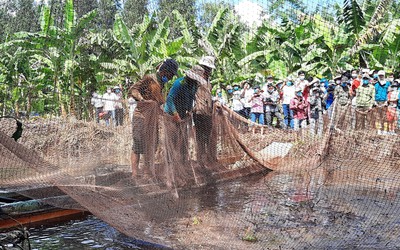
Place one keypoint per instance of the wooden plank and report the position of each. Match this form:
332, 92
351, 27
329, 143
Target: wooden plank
38, 219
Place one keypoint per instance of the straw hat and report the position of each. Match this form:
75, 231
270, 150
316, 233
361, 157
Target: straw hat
208, 61
197, 73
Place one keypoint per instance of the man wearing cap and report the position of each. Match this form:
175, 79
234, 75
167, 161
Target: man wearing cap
365, 100
381, 92
342, 99
342, 92
148, 94
315, 108
202, 112
229, 93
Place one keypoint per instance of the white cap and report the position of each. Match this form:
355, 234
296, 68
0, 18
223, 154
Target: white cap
208, 61
366, 76
298, 89
381, 73
116, 87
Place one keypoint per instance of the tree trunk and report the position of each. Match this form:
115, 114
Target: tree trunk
363, 63
59, 97
72, 84
28, 105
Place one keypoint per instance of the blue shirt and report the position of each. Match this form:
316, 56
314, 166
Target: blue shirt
180, 98
381, 92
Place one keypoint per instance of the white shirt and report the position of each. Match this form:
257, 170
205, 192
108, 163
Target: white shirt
96, 101
132, 104
248, 94
118, 105
274, 96
289, 92
237, 104
265, 86
301, 84
109, 101
219, 99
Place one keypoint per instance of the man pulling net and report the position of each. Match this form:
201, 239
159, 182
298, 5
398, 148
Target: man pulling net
148, 94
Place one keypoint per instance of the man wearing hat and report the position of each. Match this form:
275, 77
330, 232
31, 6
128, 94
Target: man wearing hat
182, 95
365, 100
381, 93
202, 112
315, 104
148, 94
179, 104
343, 99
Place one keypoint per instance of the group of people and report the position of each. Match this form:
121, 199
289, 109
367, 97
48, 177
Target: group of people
109, 106
373, 98
372, 95
189, 96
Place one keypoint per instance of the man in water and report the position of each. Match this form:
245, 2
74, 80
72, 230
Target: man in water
148, 94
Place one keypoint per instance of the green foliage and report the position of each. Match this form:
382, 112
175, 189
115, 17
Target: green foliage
134, 11
79, 47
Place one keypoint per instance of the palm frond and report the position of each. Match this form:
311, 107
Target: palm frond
372, 28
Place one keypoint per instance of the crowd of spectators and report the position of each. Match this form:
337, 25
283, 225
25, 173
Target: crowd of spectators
292, 103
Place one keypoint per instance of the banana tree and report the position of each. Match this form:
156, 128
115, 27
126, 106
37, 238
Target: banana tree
138, 50
385, 53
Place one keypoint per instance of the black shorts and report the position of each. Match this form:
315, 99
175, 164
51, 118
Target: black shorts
138, 134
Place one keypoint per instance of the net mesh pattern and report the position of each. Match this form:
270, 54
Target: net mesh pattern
221, 181
322, 182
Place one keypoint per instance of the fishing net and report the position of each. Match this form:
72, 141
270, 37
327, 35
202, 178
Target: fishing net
325, 182
220, 181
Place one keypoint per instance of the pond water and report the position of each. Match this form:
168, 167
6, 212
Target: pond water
279, 210
87, 233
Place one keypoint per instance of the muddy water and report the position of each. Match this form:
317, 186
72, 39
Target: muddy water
88, 233
281, 210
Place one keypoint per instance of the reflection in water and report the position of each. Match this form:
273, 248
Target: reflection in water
90, 233
282, 209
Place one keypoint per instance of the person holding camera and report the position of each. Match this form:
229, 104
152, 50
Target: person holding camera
316, 109
257, 106
271, 106
342, 98
299, 107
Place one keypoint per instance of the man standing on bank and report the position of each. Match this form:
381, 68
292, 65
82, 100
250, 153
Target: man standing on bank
148, 94
203, 108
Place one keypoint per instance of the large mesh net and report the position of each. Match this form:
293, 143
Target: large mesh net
241, 151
